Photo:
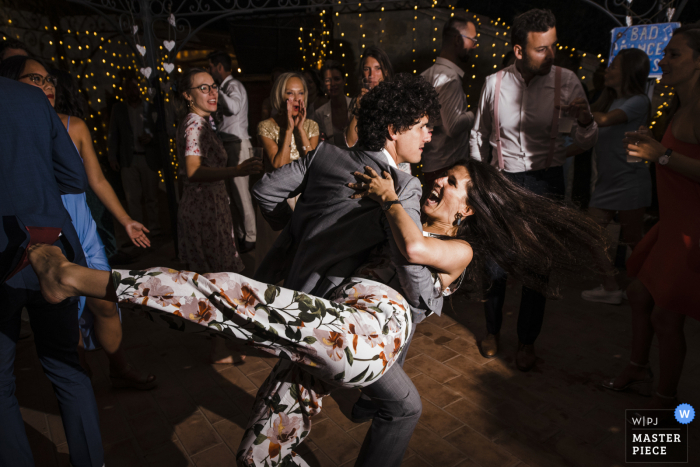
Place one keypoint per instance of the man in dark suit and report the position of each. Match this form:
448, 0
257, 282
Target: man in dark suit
329, 235
38, 162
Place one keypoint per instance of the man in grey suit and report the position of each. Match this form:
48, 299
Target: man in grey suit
329, 235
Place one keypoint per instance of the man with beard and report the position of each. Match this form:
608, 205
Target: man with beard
519, 117
451, 130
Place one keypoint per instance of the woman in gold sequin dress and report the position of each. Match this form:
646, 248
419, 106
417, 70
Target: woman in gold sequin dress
285, 137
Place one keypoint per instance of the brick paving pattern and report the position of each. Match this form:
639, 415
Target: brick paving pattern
476, 411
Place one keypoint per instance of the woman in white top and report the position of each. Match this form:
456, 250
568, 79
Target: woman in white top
334, 115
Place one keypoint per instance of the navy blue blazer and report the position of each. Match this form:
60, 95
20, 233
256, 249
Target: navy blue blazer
38, 163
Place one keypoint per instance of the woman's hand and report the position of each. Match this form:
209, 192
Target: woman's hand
301, 116
643, 146
290, 111
251, 166
136, 232
371, 184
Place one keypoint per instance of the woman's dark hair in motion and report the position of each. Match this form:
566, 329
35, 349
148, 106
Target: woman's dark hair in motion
634, 65
528, 235
69, 100
384, 63
400, 103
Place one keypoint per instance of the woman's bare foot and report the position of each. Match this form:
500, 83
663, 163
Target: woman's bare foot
221, 354
54, 272
60, 279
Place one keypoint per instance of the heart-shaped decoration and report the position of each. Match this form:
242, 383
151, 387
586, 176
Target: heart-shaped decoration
141, 49
146, 71
151, 92
135, 29
169, 67
171, 20
169, 45
154, 116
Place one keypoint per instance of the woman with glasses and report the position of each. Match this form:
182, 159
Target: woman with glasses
204, 226
100, 324
375, 67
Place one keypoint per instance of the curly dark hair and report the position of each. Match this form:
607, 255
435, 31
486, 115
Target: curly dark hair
535, 20
528, 235
400, 103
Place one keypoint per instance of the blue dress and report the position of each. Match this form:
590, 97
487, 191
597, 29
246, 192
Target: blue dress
95, 255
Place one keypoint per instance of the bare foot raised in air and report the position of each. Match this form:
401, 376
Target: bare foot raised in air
60, 279
54, 272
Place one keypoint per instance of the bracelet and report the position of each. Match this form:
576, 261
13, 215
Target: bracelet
387, 205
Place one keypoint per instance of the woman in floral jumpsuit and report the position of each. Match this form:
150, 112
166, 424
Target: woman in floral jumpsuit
352, 338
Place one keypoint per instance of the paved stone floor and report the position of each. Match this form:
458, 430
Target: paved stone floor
476, 412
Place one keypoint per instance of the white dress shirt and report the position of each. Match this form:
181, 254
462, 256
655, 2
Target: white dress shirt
526, 120
233, 109
451, 132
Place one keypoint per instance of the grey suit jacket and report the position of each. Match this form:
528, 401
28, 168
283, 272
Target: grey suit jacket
328, 235
120, 141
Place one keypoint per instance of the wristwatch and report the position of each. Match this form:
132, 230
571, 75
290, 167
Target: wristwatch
663, 160
386, 206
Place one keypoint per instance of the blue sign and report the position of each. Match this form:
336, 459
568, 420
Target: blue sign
651, 38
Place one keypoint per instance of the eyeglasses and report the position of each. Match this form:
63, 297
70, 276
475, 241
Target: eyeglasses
206, 88
39, 80
473, 39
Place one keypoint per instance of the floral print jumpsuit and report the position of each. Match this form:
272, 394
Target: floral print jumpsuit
349, 340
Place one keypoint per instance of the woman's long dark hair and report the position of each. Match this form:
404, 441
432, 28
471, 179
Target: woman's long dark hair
634, 65
69, 101
528, 235
384, 63
691, 32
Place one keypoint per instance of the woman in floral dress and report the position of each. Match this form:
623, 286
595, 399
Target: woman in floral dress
204, 226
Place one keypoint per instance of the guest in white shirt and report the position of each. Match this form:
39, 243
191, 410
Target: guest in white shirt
522, 127
451, 132
233, 131
333, 116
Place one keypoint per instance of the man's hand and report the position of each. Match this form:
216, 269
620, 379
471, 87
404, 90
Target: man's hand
578, 108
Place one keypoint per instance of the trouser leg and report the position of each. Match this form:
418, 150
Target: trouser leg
56, 333
131, 182
495, 297
398, 410
14, 446
149, 186
242, 209
530, 316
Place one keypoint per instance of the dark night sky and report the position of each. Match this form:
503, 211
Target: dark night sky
579, 25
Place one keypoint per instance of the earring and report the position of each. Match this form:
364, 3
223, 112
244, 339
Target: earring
459, 220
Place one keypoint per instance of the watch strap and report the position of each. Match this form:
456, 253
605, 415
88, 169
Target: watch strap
387, 205
663, 160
